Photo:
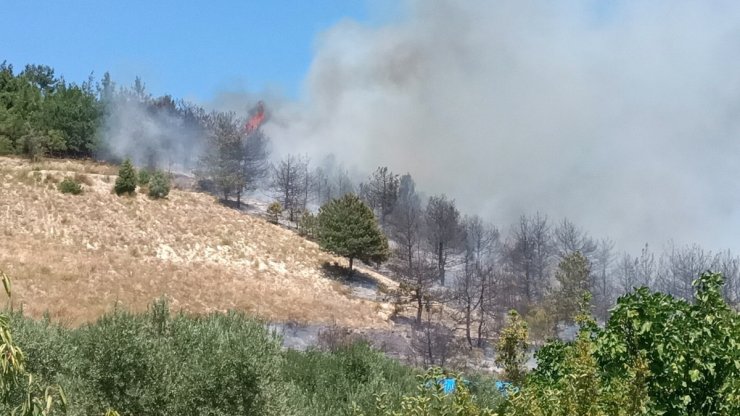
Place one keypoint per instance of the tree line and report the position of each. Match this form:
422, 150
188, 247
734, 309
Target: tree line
41, 113
537, 266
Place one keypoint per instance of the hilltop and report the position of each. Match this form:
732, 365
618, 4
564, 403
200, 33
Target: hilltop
75, 257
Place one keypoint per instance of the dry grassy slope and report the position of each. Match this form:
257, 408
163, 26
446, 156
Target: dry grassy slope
76, 256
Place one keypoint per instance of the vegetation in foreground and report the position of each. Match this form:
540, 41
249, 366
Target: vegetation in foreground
156, 363
656, 355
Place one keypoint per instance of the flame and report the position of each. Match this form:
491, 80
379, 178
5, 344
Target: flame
256, 120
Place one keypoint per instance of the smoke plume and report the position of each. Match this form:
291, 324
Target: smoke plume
620, 115
152, 133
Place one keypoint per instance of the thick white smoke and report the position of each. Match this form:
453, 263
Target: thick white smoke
623, 116
150, 136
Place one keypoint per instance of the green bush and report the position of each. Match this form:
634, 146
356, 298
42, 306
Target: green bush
331, 382
6, 146
274, 211
431, 400
656, 355
126, 182
159, 185
21, 392
158, 364
144, 177
512, 348
70, 186
308, 225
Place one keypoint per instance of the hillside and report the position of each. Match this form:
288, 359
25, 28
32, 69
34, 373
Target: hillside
78, 256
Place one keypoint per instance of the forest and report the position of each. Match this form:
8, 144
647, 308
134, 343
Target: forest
656, 333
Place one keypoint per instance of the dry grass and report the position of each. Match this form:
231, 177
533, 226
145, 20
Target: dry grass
76, 256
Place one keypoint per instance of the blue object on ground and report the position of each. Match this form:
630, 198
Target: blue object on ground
504, 387
448, 385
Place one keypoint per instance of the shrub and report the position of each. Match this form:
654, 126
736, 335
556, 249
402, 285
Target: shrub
431, 400
144, 177
512, 348
334, 338
70, 186
21, 393
541, 322
656, 355
126, 182
6, 146
159, 364
274, 211
159, 185
330, 383
308, 225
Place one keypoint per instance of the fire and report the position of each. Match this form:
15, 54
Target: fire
256, 120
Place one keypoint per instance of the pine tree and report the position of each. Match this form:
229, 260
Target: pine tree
126, 182
573, 276
159, 185
348, 228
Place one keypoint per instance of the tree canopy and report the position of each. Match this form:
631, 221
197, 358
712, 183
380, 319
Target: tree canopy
348, 228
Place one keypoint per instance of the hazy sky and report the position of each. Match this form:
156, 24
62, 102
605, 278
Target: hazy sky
622, 115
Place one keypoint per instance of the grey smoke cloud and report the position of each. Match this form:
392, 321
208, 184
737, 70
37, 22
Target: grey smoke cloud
623, 116
149, 136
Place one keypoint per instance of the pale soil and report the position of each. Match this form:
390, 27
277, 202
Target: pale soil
77, 256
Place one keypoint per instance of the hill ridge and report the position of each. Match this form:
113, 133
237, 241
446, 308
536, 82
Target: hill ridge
78, 256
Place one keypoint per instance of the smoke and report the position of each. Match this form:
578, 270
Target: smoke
620, 115
152, 133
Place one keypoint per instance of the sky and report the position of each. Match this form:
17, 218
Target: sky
190, 49
621, 115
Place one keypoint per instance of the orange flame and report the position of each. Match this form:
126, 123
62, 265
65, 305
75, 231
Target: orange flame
256, 120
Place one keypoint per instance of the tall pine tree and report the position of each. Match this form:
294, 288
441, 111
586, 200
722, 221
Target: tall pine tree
348, 228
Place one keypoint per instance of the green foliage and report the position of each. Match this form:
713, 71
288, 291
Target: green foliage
159, 185
6, 146
20, 392
348, 228
656, 355
73, 111
126, 182
512, 348
274, 211
160, 363
573, 275
331, 382
41, 114
692, 351
37, 144
431, 400
144, 177
569, 381
222, 163
541, 322
308, 225
70, 186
